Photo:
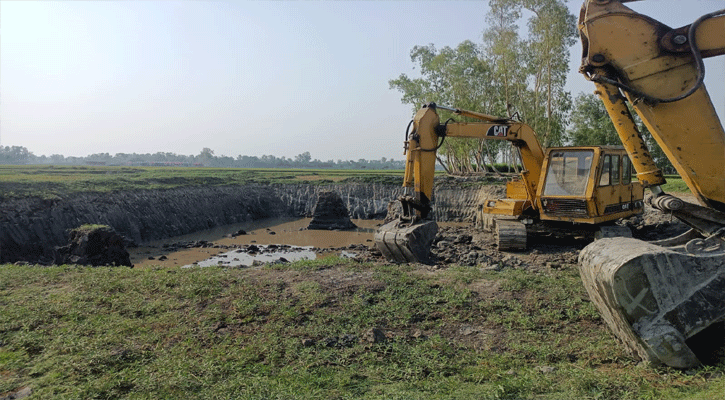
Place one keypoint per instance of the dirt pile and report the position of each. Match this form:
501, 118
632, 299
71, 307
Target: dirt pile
94, 245
330, 213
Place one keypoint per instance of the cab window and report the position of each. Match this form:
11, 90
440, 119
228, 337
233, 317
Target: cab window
606, 170
614, 176
626, 170
568, 173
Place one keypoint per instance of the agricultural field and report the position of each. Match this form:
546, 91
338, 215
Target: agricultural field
59, 181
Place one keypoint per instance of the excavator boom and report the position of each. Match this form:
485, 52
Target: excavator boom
656, 296
409, 237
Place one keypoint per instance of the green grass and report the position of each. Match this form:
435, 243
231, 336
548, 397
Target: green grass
295, 331
675, 184
57, 181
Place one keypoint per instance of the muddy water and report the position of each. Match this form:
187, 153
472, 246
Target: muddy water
264, 232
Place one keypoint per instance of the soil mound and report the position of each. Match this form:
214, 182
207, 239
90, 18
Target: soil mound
330, 213
94, 245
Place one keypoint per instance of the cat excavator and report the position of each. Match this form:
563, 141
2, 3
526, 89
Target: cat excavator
658, 297
561, 190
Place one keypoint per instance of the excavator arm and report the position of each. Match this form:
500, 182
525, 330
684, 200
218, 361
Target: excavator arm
428, 135
408, 238
656, 296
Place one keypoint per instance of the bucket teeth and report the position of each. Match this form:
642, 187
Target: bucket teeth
406, 243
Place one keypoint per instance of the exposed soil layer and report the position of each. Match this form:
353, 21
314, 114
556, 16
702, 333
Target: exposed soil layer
31, 228
330, 213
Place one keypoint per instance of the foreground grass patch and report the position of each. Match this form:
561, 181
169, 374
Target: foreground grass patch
317, 329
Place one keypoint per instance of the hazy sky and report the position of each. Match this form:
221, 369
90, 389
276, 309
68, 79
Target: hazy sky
249, 78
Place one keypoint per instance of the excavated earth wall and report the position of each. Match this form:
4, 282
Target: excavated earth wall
31, 228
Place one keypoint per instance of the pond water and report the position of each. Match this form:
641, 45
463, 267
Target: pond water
223, 249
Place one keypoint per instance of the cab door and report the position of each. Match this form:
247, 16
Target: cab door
616, 193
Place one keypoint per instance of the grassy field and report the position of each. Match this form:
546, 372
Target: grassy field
331, 328
58, 181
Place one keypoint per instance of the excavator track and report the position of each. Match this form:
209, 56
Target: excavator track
401, 242
510, 235
654, 298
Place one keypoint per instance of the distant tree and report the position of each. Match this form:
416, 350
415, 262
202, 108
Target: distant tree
206, 156
552, 31
16, 155
457, 77
505, 76
303, 158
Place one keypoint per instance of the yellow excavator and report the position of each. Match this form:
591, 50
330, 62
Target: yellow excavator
657, 297
565, 189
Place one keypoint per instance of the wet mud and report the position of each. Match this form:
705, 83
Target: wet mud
285, 235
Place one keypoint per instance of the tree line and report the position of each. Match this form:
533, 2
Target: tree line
511, 76
18, 155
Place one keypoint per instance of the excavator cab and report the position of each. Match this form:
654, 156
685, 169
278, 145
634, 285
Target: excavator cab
589, 185
586, 188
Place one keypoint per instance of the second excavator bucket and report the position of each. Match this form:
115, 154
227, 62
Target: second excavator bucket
400, 241
655, 298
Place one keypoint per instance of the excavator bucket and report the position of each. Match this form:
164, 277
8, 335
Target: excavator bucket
401, 242
655, 298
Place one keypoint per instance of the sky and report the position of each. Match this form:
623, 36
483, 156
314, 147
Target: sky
239, 77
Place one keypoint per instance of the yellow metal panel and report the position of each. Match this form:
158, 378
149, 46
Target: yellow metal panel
510, 207
516, 189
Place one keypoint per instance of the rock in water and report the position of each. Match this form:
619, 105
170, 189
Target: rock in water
93, 245
330, 213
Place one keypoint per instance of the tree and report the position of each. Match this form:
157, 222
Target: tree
303, 158
505, 75
590, 124
206, 156
458, 77
16, 155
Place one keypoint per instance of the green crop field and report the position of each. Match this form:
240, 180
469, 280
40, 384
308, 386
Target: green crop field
58, 181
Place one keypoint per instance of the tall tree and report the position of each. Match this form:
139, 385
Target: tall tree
552, 31
458, 77
534, 69
506, 75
